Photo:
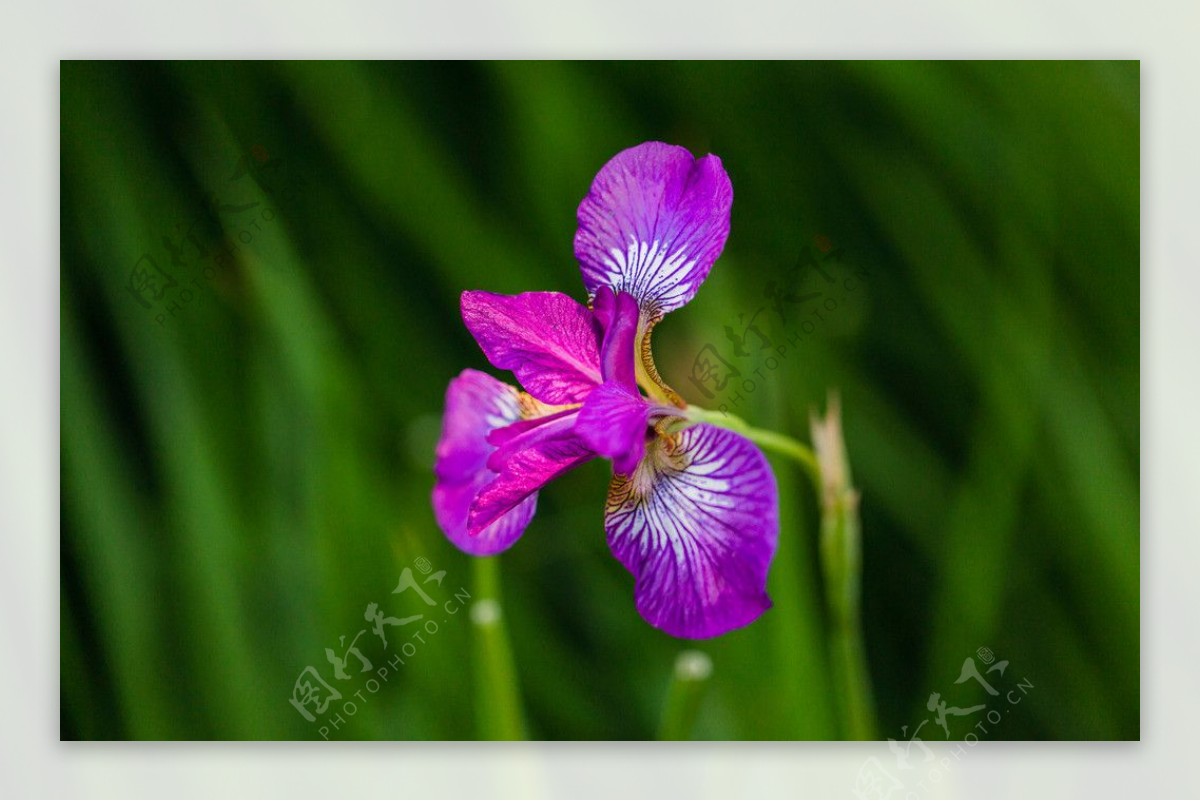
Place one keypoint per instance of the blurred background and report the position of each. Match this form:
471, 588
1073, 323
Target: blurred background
261, 265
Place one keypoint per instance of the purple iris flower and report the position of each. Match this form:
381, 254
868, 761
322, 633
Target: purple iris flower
692, 509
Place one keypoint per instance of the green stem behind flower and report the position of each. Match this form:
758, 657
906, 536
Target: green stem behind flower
688, 682
841, 559
497, 693
841, 562
770, 440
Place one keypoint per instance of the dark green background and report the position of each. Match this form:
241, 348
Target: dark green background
242, 477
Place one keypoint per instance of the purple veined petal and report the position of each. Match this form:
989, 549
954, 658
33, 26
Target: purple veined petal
476, 404
501, 436
550, 341
697, 525
652, 224
526, 464
529, 434
452, 504
618, 316
613, 423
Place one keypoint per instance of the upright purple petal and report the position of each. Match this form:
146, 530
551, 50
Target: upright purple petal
476, 404
618, 316
652, 225
550, 341
697, 525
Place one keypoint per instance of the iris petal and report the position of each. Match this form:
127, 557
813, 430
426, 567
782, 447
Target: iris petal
617, 314
476, 404
652, 224
550, 341
613, 423
526, 463
697, 525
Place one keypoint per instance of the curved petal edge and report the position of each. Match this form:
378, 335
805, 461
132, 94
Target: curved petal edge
652, 224
476, 404
697, 525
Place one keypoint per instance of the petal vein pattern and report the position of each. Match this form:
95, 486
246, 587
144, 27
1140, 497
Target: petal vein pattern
652, 224
646, 271
550, 341
697, 526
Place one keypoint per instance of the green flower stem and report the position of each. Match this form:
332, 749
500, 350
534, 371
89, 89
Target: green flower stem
841, 562
689, 679
840, 547
497, 693
770, 440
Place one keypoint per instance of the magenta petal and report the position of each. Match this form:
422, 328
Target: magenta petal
548, 340
527, 463
613, 423
476, 403
652, 225
452, 504
697, 526
522, 436
618, 315
501, 436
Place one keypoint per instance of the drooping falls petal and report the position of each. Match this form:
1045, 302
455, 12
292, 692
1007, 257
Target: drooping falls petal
697, 525
652, 224
550, 341
476, 404
525, 463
